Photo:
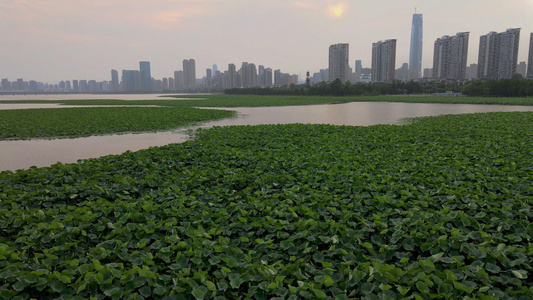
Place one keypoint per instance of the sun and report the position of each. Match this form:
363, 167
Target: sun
336, 10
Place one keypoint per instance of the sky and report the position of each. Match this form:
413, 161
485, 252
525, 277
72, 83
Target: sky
55, 40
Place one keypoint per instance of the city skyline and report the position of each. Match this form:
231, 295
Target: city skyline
58, 40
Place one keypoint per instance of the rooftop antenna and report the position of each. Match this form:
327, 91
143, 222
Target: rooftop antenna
415, 10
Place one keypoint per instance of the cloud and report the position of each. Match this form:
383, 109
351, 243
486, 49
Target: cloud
306, 5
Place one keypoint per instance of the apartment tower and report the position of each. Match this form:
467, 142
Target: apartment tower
450, 55
189, 73
383, 61
498, 54
338, 62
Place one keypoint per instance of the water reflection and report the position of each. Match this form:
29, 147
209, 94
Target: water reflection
24, 154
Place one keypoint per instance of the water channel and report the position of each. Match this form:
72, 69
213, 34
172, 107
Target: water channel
24, 154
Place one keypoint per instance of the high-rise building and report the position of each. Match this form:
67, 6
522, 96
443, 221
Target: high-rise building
449, 56
277, 77
338, 62
498, 54
232, 76
189, 73
215, 69
268, 77
114, 80
530, 58
261, 75
6, 84
75, 85
383, 61
415, 54
178, 80
146, 76
248, 75
128, 80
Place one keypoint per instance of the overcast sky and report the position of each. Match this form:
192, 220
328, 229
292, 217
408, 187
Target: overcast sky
54, 40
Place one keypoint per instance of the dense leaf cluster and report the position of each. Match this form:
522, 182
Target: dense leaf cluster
440, 208
79, 122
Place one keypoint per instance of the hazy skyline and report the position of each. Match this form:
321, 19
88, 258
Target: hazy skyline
56, 40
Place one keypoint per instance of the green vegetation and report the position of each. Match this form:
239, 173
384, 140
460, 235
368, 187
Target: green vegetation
258, 100
515, 87
439, 208
339, 88
500, 88
79, 122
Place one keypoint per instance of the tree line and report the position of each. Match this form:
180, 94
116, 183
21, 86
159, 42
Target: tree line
495, 88
515, 87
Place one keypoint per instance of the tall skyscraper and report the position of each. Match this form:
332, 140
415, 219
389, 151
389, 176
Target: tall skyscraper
530, 58
189, 73
338, 62
415, 55
215, 69
114, 81
383, 61
146, 76
498, 54
449, 56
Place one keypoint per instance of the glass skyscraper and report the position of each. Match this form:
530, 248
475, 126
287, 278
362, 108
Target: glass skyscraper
146, 76
415, 55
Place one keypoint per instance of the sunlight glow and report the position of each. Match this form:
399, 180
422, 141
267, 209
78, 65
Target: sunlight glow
337, 10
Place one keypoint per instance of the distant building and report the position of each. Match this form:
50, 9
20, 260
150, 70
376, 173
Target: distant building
338, 62
449, 56
268, 77
428, 73
189, 73
498, 54
248, 75
415, 54
383, 61
178, 80
471, 71
530, 58
232, 76
521, 69
6, 84
277, 77
128, 80
146, 76
402, 73
114, 81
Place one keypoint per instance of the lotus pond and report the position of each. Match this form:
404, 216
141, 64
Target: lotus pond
439, 208
87, 121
